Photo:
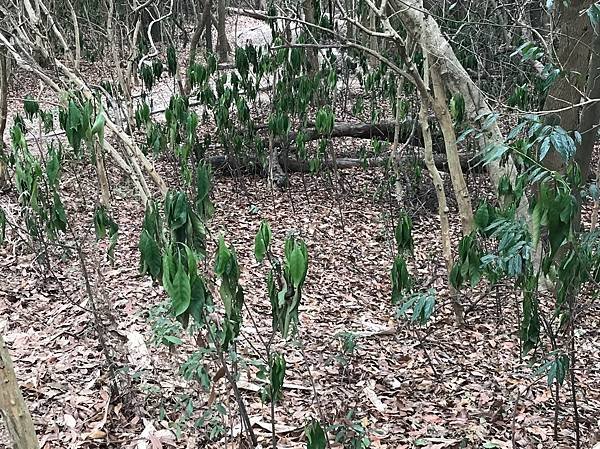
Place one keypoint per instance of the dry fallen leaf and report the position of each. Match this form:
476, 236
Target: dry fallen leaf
69, 421
95, 434
372, 396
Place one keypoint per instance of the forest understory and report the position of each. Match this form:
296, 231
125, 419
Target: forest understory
387, 384
377, 379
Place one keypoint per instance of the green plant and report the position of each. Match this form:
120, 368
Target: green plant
348, 343
285, 278
38, 183
351, 434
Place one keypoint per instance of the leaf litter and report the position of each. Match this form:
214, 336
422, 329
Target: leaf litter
387, 384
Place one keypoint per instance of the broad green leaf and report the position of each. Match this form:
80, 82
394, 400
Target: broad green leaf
197, 300
52, 168
544, 148
173, 340
482, 216
168, 268
536, 224
180, 211
171, 61
223, 258
593, 13
30, 106
277, 374
98, 127
297, 266
315, 436
181, 291
150, 253
262, 241
100, 222
490, 445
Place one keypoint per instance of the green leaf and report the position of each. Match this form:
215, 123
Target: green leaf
30, 106
262, 241
593, 13
171, 61
401, 282
493, 152
150, 252
315, 436
277, 374
490, 445
98, 127
168, 268
298, 266
544, 148
516, 130
181, 291
223, 258
176, 207
173, 340
203, 203
423, 308
457, 108
490, 120
59, 217
482, 216
52, 167
100, 221
198, 300
536, 224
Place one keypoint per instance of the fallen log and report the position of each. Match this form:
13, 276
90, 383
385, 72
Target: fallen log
252, 13
360, 130
382, 130
253, 165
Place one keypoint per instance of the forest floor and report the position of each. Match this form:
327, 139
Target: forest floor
402, 386
437, 387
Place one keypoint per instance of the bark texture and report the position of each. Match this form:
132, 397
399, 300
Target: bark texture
573, 50
3, 114
223, 47
459, 184
3, 96
440, 193
590, 114
14, 411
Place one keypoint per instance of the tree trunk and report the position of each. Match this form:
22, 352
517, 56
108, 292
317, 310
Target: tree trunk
13, 408
155, 32
101, 172
373, 39
201, 20
573, 58
312, 53
395, 156
3, 115
208, 30
223, 47
440, 193
3, 97
440, 107
77, 55
425, 30
590, 114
